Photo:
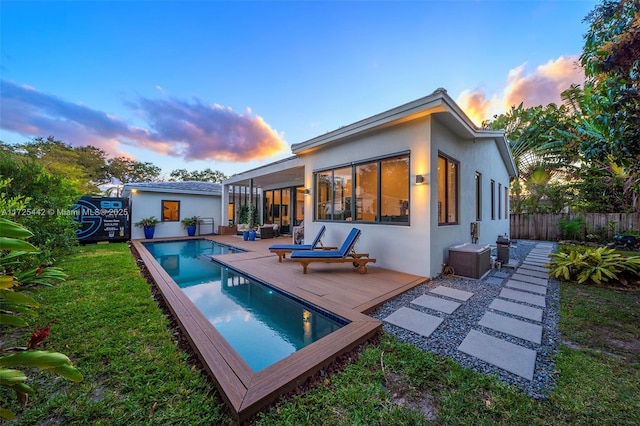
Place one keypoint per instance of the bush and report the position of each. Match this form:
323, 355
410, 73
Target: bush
595, 265
572, 229
54, 233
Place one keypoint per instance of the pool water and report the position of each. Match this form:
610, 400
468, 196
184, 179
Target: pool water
262, 324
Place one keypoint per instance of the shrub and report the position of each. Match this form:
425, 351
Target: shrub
573, 229
46, 195
16, 306
595, 265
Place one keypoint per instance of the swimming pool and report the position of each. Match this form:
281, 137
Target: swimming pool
261, 323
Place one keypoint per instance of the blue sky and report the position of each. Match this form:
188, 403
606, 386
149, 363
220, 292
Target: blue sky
231, 85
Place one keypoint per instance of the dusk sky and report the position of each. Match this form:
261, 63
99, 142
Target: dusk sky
231, 85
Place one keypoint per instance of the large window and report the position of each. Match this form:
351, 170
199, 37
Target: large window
447, 190
506, 202
371, 191
499, 201
281, 208
170, 211
493, 199
478, 196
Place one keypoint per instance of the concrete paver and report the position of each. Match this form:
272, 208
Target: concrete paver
535, 262
530, 273
436, 303
528, 312
529, 279
521, 296
416, 321
494, 281
506, 355
515, 327
452, 293
529, 267
532, 288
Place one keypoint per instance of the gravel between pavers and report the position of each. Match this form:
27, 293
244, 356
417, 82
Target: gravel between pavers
447, 337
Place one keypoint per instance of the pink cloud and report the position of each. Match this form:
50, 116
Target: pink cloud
541, 87
191, 130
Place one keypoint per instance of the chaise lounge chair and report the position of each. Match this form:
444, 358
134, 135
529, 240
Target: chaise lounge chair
345, 254
282, 249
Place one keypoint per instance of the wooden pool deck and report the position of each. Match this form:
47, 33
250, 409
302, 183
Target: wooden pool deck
337, 288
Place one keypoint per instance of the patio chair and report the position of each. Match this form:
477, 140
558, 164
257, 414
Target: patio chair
282, 249
345, 254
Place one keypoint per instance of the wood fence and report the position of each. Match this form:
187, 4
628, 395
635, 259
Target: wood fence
546, 226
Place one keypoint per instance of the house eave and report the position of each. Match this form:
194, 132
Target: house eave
438, 102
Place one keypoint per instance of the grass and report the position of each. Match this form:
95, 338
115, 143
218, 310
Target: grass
135, 373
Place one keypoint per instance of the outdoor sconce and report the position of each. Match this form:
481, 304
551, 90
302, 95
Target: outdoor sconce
419, 179
307, 191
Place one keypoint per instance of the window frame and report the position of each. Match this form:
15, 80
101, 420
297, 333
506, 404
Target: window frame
478, 178
353, 199
449, 160
493, 199
162, 209
499, 201
506, 203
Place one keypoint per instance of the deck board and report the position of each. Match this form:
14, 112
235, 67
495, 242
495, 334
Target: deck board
337, 288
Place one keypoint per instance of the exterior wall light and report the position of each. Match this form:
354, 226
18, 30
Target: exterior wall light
307, 191
419, 179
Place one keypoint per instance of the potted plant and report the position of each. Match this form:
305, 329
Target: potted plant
252, 215
245, 231
148, 224
190, 223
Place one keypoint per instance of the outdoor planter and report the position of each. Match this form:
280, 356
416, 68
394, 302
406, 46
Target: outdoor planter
252, 235
190, 224
148, 232
148, 225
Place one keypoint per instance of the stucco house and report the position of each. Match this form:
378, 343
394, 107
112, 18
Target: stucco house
170, 202
414, 179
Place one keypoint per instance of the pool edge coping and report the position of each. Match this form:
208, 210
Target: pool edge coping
247, 392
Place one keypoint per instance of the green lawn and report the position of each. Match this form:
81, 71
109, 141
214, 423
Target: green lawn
135, 373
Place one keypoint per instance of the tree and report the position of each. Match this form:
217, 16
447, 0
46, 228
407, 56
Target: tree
62, 160
86, 167
206, 175
94, 161
127, 170
611, 60
44, 210
542, 159
612, 43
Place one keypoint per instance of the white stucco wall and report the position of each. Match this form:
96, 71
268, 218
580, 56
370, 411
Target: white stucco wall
145, 204
473, 156
422, 247
398, 247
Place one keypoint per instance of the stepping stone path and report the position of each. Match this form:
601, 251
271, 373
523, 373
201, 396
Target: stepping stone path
516, 314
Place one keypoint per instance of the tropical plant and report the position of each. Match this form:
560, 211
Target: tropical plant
190, 221
594, 265
147, 222
243, 214
16, 305
252, 215
573, 228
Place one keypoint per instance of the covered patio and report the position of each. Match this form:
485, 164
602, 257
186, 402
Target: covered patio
277, 191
